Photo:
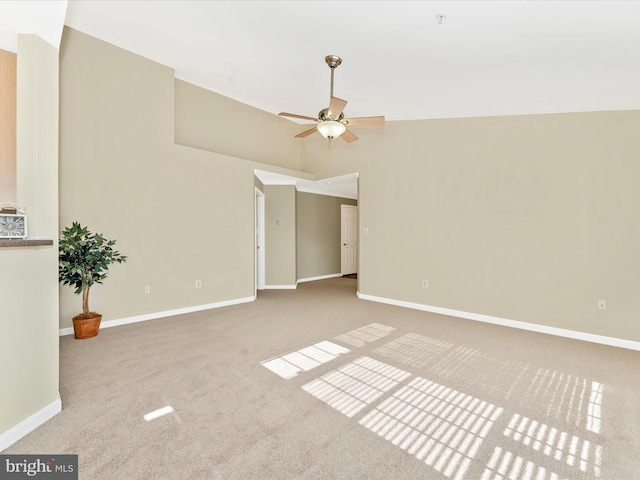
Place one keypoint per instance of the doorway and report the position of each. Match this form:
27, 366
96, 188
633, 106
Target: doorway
349, 239
259, 241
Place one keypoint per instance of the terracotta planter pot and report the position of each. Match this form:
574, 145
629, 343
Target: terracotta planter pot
86, 327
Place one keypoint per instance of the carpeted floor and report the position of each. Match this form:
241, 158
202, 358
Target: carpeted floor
313, 383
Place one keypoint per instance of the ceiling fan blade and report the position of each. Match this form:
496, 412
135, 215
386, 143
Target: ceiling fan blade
285, 114
307, 132
365, 121
336, 106
349, 137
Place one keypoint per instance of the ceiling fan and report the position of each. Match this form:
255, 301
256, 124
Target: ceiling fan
331, 121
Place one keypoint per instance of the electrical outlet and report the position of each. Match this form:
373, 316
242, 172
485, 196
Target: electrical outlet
147, 289
198, 283
425, 283
602, 304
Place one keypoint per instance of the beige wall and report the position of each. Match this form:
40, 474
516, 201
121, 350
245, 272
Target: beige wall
280, 235
29, 279
209, 121
181, 214
318, 224
529, 218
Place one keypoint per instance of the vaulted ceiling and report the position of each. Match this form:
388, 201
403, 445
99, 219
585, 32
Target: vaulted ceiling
399, 58
402, 59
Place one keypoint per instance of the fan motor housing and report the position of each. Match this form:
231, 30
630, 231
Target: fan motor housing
324, 115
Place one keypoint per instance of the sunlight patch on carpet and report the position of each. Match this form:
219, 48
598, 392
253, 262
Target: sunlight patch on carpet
307, 358
363, 335
352, 387
505, 465
437, 424
594, 412
569, 398
161, 412
414, 350
552, 442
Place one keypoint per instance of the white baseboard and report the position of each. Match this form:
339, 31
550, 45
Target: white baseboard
167, 313
28, 425
322, 277
280, 287
533, 327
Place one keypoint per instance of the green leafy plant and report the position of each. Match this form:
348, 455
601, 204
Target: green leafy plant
84, 259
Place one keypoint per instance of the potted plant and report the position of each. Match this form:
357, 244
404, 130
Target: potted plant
84, 259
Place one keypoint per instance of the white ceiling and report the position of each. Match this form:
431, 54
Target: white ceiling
44, 18
486, 58
345, 186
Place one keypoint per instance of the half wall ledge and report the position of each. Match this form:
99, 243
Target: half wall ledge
21, 242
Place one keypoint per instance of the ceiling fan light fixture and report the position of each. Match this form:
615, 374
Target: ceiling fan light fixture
331, 129
331, 121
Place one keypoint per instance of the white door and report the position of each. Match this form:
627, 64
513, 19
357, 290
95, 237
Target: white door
259, 271
349, 243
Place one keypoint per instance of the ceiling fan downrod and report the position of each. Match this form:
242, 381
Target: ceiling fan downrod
333, 61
